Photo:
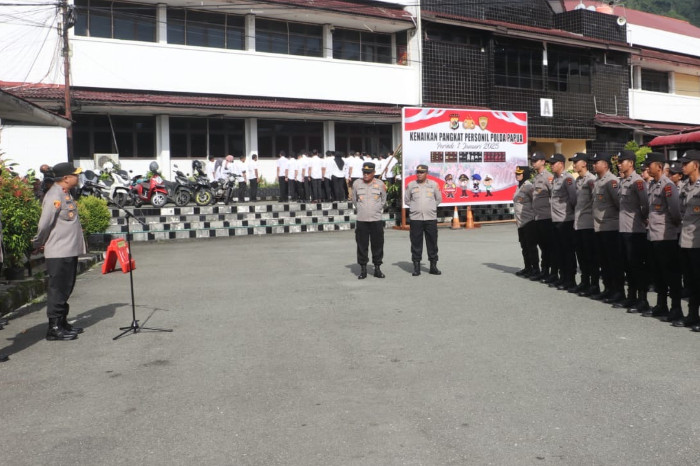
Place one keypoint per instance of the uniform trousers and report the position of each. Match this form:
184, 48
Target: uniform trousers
527, 236
62, 272
609, 258
307, 188
544, 241
284, 192
666, 273
366, 233
327, 190
339, 189
300, 191
586, 254
241, 191
291, 189
419, 229
634, 249
253, 189
316, 189
690, 257
564, 254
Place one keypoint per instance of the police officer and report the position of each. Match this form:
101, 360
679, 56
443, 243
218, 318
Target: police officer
664, 227
369, 197
61, 238
606, 221
584, 239
423, 197
563, 203
525, 221
690, 235
543, 217
634, 210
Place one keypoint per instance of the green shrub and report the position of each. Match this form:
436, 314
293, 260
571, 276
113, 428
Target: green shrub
94, 215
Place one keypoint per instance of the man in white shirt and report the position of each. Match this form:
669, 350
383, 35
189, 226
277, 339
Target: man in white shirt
388, 172
211, 168
292, 169
316, 175
301, 177
305, 178
252, 174
327, 180
282, 179
240, 169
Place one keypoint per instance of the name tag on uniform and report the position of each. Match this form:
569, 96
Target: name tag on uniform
600, 197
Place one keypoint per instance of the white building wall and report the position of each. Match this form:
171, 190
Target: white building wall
662, 40
657, 106
32, 146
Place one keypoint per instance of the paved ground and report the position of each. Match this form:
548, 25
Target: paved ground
280, 356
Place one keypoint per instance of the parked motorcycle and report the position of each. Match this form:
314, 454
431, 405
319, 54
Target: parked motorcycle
93, 186
224, 188
148, 190
179, 191
202, 187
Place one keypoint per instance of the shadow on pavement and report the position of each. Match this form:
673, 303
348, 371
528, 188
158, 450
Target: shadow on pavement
502, 268
405, 266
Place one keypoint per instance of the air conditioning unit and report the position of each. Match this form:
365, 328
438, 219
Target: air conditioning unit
101, 159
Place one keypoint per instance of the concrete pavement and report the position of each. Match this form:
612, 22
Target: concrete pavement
280, 356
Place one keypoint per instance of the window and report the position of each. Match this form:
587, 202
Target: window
517, 66
655, 81
288, 135
349, 44
373, 139
115, 20
205, 29
288, 38
201, 137
568, 72
129, 136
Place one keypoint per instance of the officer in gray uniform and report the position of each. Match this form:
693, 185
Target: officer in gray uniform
606, 220
563, 203
61, 238
584, 239
543, 217
369, 197
664, 227
525, 221
690, 236
634, 210
422, 197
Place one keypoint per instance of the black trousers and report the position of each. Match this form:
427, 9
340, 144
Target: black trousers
307, 188
667, 273
366, 232
300, 192
316, 189
427, 229
527, 236
62, 272
327, 190
634, 249
544, 241
284, 191
339, 189
587, 257
690, 258
610, 260
241, 191
253, 189
564, 253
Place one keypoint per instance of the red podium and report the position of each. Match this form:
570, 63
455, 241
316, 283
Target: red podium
118, 249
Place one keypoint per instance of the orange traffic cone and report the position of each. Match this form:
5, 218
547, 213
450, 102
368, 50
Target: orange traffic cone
470, 218
455, 221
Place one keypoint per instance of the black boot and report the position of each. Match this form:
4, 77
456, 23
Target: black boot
363, 272
69, 327
433, 268
4, 321
378, 272
56, 331
416, 269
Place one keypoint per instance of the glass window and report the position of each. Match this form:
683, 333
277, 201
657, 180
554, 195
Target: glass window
288, 38
201, 137
288, 135
517, 66
373, 139
361, 46
205, 29
568, 71
655, 81
134, 135
115, 20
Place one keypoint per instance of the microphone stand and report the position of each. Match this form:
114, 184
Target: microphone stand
134, 327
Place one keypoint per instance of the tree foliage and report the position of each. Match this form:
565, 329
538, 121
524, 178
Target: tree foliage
688, 10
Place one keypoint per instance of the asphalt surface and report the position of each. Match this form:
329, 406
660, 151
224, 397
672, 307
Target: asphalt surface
280, 356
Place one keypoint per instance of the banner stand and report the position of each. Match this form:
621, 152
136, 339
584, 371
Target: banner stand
403, 225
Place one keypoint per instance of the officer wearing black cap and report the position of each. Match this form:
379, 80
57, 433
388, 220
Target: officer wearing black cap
422, 197
675, 170
563, 203
543, 216
369, 197
583, 228
606, 223
61, 238
634, 211
664, 228
690, 236
525, 221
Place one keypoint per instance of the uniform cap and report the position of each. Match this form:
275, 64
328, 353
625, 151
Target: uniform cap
605, 156
690, 155
538, 155
463, 177
579, 156
627, 155
64, 169
557, 158
655, 157
367, 167
675, 167
422, 169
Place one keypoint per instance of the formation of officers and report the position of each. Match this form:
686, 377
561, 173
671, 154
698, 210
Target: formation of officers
635, 229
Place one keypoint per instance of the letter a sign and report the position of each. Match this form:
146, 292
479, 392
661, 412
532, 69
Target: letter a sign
546, 108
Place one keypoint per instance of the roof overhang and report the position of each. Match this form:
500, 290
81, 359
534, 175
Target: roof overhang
16, 109
647, 127
676, 139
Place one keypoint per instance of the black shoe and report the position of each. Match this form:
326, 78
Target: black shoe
549, 279
695, 328
676, 313
69, 327
363, 272
535, 277
522, 272
433, 269
686, 321
529, 273
416, 269
591, 291
578, 288
378, 272
4, 321
616, 297
601, 296
639, 307
556, 283
566, 286
656, 311
57, 333
625, 304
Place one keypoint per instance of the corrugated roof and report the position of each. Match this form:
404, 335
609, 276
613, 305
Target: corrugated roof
675, 139
384, 10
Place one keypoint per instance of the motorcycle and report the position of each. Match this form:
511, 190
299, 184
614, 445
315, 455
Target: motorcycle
202, 188
93, 186
224, 188
148, 190
180, 190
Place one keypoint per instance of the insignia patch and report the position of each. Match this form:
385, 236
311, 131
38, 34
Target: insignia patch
600, 197
67, 198
70, 214
569, 181
614, 183
696, 209
657, 206
520, 199
550, 179
57, 204
591, 184
640, 185
668, 190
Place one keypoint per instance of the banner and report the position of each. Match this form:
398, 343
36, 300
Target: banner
470, 154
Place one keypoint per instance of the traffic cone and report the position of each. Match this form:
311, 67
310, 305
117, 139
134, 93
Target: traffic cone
470, 218
455, 221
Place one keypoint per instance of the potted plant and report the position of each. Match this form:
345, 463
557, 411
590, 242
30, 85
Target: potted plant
20, 215
95, 219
